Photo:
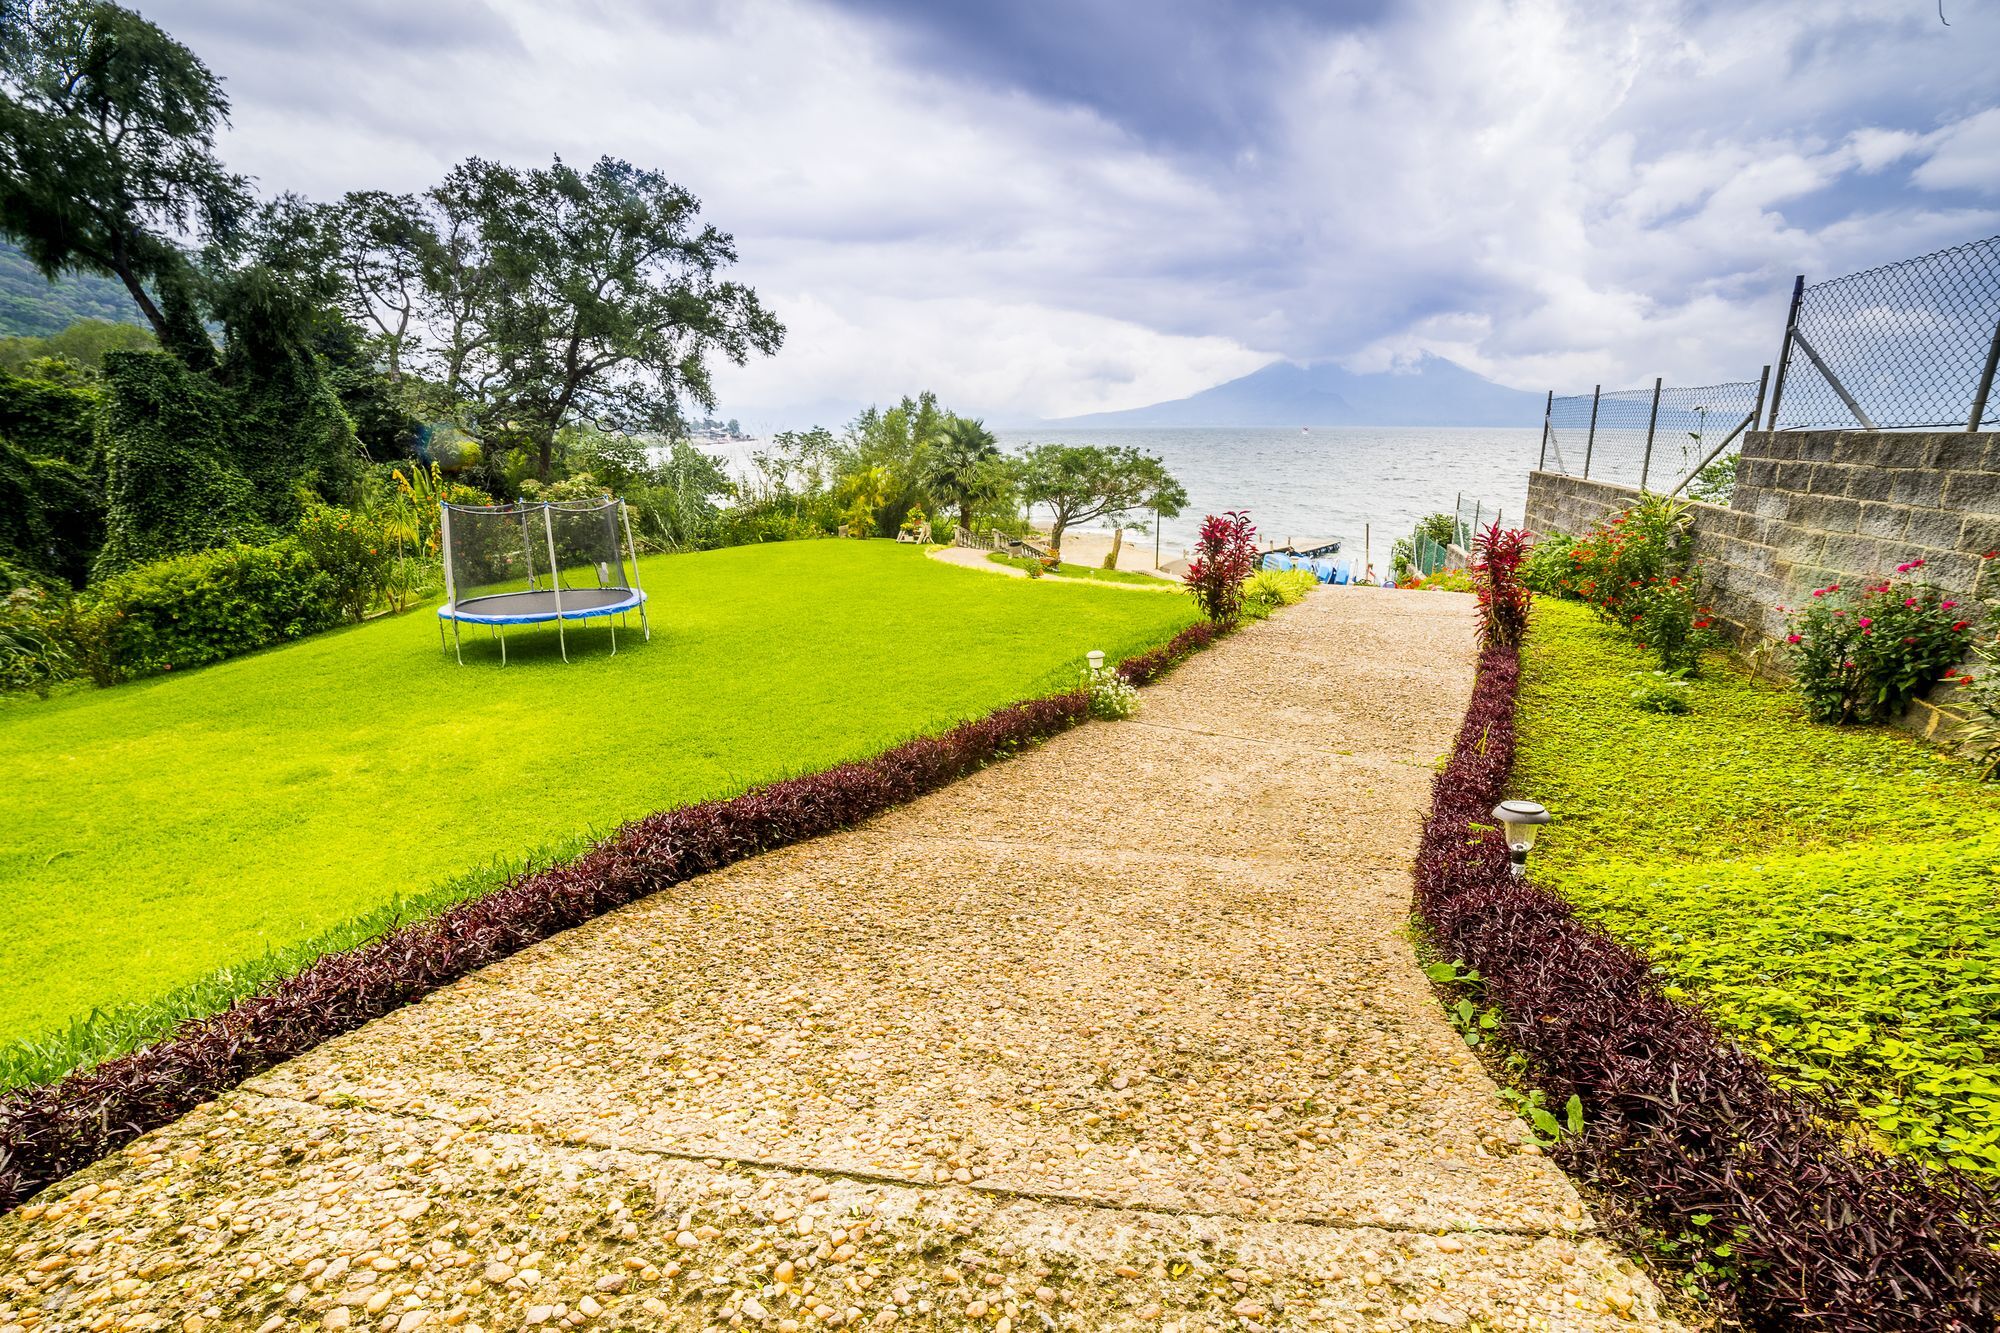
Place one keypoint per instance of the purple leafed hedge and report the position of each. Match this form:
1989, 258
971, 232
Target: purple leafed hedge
1682, 1126
48, 1132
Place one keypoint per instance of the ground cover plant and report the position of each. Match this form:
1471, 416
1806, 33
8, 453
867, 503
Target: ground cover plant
1826, 895
1065, 570
1757, 1191
159, 830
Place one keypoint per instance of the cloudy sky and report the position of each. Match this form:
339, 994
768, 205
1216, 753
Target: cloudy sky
1047, 207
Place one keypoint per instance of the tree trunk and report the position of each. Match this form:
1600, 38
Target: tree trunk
1117, 544
965, 516
1055, 537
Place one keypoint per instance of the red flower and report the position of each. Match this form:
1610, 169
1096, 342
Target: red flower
1793, 638
1863, 621
1956, 626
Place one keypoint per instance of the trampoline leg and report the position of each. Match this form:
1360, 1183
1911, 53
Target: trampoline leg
612, 621
562, 639
503, 647
456, 649
644, 623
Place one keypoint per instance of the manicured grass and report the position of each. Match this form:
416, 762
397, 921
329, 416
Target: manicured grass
1827, 894
153, 833
1065, 570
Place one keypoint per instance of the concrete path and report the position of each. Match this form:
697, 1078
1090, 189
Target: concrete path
1123, 1033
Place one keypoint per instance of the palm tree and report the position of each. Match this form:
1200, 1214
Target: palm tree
961, 465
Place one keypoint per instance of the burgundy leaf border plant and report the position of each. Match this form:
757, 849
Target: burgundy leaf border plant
1815, 1229
50, 1131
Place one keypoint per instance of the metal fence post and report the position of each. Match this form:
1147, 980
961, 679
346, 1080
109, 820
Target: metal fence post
1590, 440
1985, 381
1785, 349
1646, 462
1548, 408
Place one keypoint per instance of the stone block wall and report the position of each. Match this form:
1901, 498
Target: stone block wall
1819, 507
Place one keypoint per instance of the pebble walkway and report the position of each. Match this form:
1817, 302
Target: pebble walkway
1123, 1033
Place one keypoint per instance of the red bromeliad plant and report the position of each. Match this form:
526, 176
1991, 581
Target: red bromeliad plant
1496, 576
1225, 556
1863, 656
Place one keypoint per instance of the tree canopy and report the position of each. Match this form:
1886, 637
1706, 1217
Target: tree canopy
1081, 483
107, 154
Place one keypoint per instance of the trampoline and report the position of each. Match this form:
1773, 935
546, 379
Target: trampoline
537, 564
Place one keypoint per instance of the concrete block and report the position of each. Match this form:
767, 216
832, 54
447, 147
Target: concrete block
1916, 486
1760, 473
1873, 448
1957, 451
1973, 492
1796, 477
1829, 513
1938, 528
1977, 535
1885, 521
1814, 446
1871, 483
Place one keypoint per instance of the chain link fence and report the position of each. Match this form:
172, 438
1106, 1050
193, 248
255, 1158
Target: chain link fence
1910, 344
1656, 438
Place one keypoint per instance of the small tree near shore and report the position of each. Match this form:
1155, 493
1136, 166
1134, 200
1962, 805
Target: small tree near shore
1082, 482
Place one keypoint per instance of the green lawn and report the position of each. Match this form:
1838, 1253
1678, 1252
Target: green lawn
155, 832
1830, 895
1065, 570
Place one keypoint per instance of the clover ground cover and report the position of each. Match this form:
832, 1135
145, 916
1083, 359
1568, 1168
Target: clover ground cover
1827, 894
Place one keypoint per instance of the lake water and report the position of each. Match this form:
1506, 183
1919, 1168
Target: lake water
1330, 482
1334, 482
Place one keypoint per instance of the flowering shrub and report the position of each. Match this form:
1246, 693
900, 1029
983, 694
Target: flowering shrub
1225, 555
1496, 575
1863, 656
1112, 697
1547, 567
353, 549
1638, 571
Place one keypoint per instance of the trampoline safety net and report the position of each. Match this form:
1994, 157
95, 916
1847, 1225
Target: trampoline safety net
571, 546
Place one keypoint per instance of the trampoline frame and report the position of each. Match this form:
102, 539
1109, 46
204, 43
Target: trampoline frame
452, 610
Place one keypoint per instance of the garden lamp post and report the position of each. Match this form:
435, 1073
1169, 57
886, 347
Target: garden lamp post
1521, 820
1096, 660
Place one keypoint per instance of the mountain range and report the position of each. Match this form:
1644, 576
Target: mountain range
1430, 391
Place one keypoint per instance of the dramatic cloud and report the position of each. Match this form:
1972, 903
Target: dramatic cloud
1048, 208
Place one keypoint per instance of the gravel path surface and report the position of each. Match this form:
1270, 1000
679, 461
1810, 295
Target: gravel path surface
1123, 1033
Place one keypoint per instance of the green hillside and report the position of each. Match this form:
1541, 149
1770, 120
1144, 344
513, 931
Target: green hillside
33, 306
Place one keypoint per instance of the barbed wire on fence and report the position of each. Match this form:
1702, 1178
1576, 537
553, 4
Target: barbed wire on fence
1656, 438
1909, 344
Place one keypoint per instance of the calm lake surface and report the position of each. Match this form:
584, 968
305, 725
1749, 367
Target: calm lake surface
1336, 481
1331, 482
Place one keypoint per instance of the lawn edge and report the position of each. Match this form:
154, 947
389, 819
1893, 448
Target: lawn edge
51, 1130
1680, 1123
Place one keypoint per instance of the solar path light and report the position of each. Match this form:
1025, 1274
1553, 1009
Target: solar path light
1096, 660
1521, 820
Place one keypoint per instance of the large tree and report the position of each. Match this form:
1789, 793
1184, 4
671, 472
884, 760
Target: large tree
1081, 483
592, 295
107, 138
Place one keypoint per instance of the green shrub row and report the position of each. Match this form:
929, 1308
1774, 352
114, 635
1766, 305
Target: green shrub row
185, 611
1826, 894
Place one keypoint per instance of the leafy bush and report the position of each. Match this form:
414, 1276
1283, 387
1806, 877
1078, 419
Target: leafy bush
1548, 565
1660, 691
1716, 483
1448, 580
34, 653
1496, 575
1763, 1187
354, 551
190, 610
1268, 589
1862, 657
1225, 555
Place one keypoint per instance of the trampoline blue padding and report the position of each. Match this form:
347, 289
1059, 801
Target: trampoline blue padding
538, 608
